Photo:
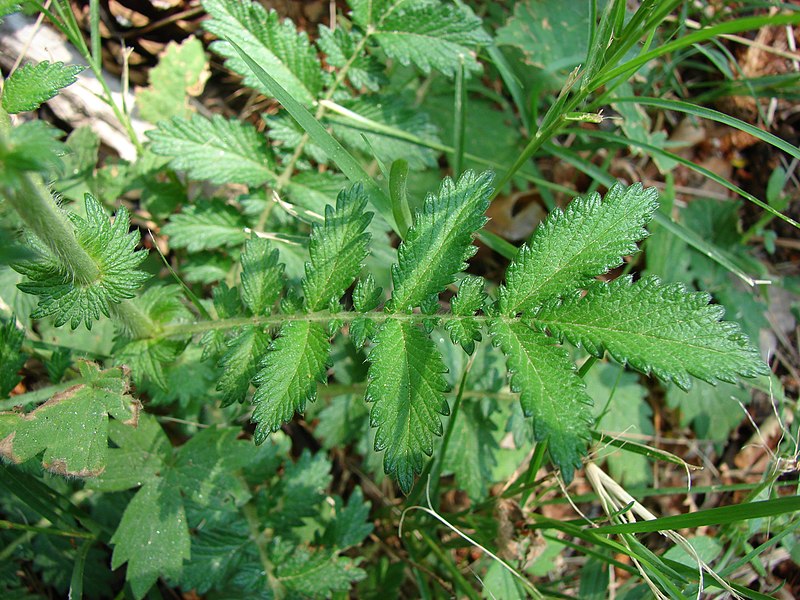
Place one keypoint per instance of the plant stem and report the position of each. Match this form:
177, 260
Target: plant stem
257, 536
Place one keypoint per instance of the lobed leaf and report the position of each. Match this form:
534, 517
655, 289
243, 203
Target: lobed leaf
262, 275
406, 386
550, 391
471, 455
656, 328
337, 249
113, 249
288, 375
339, 46
32, 84
440, 241
276, 46
575, 245
216, 149
72, 427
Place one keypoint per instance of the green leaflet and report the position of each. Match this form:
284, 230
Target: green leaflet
571, 247
438, 37
656, 328
276, 46
111, 247
205, 226
216, 149
240, 363
467, 302
406, 386
288, 375
262, 276
339, 46
439, 243
337, 249
550, 391
31, 85
72, 427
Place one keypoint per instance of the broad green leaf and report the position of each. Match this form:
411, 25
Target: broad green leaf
72, 427
216, 149
31, 85
623, 411
467, 302
113, 250
439, 243
339, 46
240, 363
262, 276
152, 536
573, 246
207, 225
656, 328
289, 375
337, 249
181, 73
406, 386
553, 36
471, 453
11, 359
276, 46
432, 36
550, 391
392, 112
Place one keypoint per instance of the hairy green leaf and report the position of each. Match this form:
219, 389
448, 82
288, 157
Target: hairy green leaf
337, 249
31, 85
656, 328
340, 45
288, 375
406, 386
262, 275
471, 453
111, 246
437, 36
550, 391
572, 246
315, 574
206, 226
277, 46
217, 149
350, 524
72, 427
440, 241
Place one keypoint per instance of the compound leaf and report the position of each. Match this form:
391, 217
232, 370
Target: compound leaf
276, 46
406, 386
289, 374
33, 84
72, 427
216, 149
206, 226
573, 246
337, 249
111, 247
437, 36
656, 328
440, 241
152, 536
550, 391
262, 275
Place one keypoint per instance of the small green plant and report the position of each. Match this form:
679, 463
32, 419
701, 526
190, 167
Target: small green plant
330, 260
